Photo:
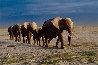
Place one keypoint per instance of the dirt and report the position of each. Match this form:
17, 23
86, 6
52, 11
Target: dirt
84, 50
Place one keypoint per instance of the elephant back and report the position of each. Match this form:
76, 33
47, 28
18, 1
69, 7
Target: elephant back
52, 22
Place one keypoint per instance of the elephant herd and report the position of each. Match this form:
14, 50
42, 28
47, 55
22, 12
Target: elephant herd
51, 28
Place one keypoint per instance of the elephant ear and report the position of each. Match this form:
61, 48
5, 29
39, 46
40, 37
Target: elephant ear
69, 22
26, 24
56, 21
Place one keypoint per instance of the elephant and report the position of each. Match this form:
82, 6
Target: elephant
11, 33
37, 34
16, 29
54, 27
34, 30
25, 32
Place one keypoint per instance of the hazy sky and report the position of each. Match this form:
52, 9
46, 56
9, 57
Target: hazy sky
82, 12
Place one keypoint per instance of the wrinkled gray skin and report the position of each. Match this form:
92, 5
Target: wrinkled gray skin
11, 33
50, 31
16, 29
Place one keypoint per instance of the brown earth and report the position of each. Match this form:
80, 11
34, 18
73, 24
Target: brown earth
84, 50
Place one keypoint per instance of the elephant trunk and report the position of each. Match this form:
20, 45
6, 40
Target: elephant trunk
69, 37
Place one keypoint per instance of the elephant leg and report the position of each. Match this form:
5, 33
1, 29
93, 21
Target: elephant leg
16, 38
62, 41
39, 42
19, 36
58, 40
43, 41
23, 40
34, 41
29, 37
69, 40
10, 37
26, 40
46, 40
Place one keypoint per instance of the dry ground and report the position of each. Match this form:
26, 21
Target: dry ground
84, 50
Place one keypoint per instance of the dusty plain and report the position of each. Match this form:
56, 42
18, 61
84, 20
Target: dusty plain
84, 50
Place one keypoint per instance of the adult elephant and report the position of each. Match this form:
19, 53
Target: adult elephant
26, 32
16, 29
54, 27
34, 30
11, 33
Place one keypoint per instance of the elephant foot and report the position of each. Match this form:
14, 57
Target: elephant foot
43, 45
18, 40
62, 47
56, 46
69, 44
39, 45
15, 40
46, 45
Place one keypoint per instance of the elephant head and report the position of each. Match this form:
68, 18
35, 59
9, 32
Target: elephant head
67, 24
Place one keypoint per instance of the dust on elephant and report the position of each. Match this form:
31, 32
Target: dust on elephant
16, 29
54, 27
11, 33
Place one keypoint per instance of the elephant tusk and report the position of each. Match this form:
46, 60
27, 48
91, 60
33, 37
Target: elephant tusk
75, 35
69, 36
